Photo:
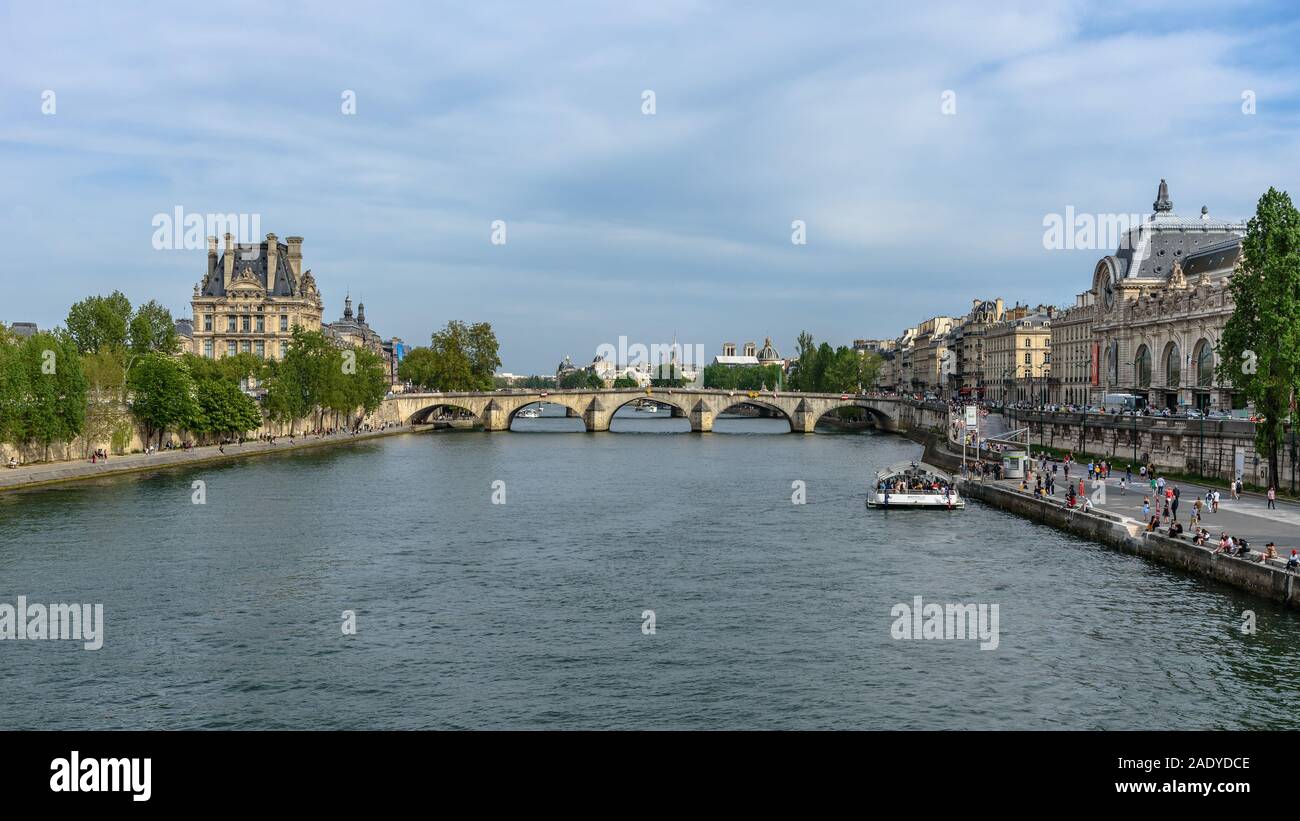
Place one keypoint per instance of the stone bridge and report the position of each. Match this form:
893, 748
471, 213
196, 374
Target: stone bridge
496, 410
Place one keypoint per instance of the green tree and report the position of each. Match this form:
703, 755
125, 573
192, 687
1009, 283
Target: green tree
100, 322
850, 371
224, 409
742, 377
106, 414
45, 387
420, 368
1260, 346
667, 375
626, 382
465, 356
304, 382
152, 329
162, 395
802, 375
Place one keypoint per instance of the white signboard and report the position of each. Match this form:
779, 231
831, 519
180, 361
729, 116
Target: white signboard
1240, 461
972, 417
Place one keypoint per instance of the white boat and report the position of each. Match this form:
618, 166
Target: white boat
530, 412
648, 407
914, 484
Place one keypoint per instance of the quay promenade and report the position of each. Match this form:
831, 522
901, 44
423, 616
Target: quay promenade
50, 473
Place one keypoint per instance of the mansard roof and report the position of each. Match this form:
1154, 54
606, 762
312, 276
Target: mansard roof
1150, 249
251, 257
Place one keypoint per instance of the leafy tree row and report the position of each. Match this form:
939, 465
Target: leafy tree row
460, 357
822, 369
42, 390
317, 379
743, 378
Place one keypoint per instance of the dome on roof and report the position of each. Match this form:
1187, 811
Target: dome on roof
768, 353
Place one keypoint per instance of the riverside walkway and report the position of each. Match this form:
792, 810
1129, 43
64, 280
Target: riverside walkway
47, 473
1247, 517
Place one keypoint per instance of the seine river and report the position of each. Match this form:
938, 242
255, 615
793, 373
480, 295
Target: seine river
529, 614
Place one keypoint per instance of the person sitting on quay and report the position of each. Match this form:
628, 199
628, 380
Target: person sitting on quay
13, 462
1176, 530
1201, 535
1270, 552
1225, 543
1243, 549
1153, 524
1293, 562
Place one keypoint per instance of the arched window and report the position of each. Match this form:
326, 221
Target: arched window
1142, 367
1173, 366
1204, 364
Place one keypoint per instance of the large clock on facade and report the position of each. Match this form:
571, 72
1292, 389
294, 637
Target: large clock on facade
1108, 294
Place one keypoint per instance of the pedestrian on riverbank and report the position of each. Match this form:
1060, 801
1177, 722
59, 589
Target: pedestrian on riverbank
1146, 507
1128, 473
1214, 503
1123, 486
1236, 490
1272, 498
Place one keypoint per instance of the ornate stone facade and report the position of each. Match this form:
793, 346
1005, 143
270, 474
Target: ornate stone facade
1162, 302
252, 297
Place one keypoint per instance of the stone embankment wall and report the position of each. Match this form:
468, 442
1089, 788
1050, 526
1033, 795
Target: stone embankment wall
1270, 581
1204, 447
82, 447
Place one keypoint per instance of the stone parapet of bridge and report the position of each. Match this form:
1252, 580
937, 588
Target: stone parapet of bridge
496, 410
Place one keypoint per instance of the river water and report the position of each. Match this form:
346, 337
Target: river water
531, 613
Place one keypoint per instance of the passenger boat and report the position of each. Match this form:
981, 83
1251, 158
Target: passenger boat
914, 484
647, 407
530, 412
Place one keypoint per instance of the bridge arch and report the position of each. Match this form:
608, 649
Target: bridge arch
882, 420
577, 405
429, 413
726, 403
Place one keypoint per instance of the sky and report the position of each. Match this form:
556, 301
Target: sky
921, 145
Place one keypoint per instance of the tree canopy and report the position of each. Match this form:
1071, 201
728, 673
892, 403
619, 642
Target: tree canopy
1259, 351
460, 357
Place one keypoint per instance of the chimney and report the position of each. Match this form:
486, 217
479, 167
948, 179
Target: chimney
295, 254
228, 273
212, 257
272, 257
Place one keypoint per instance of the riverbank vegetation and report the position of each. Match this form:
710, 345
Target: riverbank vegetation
822, 369
112, 369
460, 357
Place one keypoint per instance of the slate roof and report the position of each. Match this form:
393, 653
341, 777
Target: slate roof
252, 256
1149, 250
1214, 260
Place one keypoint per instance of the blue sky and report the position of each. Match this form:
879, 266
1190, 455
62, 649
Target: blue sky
619, 223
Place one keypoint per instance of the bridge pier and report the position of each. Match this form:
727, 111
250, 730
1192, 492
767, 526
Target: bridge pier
804, 419
702, 418
495, 417
597, 416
